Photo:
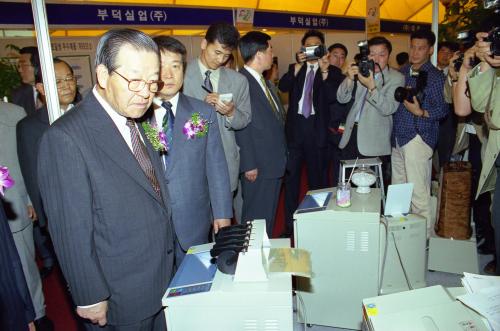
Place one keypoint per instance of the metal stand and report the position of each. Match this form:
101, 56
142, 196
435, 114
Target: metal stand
375, 162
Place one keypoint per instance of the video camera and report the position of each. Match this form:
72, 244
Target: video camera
314, 52
407, 93
365, 64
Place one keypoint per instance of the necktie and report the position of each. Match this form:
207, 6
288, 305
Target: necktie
142, 156
307, 102
269, 97
168, 126
207, 83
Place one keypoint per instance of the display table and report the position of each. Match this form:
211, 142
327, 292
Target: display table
344, 244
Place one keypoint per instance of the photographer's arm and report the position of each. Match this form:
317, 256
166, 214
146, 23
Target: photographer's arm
462, 103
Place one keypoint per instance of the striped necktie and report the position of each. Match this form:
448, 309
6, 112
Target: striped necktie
141, 154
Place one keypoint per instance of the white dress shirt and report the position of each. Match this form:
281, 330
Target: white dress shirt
258, 77
160, 111
214, 75
315, 67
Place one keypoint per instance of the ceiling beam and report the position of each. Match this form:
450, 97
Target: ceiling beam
326, 4
347, 8
257, 5
418, 10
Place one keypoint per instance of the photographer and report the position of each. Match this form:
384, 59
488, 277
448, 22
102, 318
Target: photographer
309, 81
369, 122
416, 122
485, 98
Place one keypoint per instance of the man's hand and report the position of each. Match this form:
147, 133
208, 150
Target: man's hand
324, 63
221, 223
31, 326
301, 59
414, 107
225, 108
352, 70
251, 175
483, 52
212, 99
96, 314
368, 82
32, 213
469, 55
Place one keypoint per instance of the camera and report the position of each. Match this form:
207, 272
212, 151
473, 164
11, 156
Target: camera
494, 34
407, 93
466, 39
314, 52
365, 64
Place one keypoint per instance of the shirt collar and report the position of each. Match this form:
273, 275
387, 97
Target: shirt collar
117, 118
254, 73
203, 69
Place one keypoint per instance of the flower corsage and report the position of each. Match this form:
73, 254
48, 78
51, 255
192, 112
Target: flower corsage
156, 137
5, 180
196, 127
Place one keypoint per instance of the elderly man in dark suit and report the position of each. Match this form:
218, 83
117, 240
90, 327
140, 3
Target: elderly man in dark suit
262, 142
196, 169
100, 181
311, 82
31, 128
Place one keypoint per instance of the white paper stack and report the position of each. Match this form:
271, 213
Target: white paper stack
483, 296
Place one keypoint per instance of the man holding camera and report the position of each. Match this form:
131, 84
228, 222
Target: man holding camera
416, 122
484, 84
309, 81
369, 122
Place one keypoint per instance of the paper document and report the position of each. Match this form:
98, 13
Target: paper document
295, 261
487, 303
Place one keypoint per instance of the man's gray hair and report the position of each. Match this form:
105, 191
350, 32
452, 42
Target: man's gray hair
113, 40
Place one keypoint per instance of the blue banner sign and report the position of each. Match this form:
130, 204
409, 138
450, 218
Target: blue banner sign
15, 13
305, 21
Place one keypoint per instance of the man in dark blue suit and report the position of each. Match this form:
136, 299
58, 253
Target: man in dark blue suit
196, 169
310, 83
262, 143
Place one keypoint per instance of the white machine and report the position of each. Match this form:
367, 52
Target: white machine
201, 298
347, 247
404, 266
426, 309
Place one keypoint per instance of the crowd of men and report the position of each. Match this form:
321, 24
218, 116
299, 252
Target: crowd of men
150, 161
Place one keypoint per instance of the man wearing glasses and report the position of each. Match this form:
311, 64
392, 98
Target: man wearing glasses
102, 189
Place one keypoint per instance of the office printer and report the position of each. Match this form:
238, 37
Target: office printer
201, 298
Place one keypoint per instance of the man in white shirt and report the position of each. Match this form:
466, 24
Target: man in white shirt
262, 142
100, 182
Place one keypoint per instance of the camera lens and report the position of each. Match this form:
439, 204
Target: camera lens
401, 94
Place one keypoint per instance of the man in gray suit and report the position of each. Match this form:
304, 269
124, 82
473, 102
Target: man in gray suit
262, 143
20, 211
100, 181
196, 168
207, 79
368, 126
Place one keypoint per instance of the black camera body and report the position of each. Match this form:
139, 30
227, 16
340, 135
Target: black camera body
407, 93
494, 39
314, 52
365, 64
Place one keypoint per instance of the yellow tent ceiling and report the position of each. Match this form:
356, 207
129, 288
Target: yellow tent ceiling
404, 10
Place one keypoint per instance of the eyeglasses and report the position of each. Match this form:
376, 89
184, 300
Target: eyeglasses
67, 80
136, 85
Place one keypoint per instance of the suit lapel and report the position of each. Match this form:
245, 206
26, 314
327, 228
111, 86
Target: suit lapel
182, 115
112, 143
